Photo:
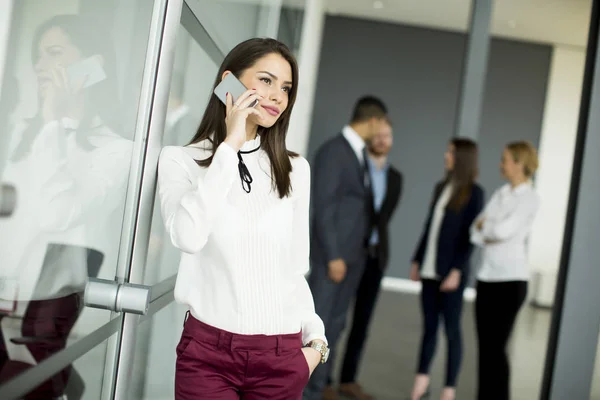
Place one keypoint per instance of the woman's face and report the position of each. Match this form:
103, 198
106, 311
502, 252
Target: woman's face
449, 158
55, 53
509, 168
271, 76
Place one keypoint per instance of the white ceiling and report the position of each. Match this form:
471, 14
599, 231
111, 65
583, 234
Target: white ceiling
561, 22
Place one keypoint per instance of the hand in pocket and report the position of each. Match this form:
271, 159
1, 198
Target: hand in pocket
313, 358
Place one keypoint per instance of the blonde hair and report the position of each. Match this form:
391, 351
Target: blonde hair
525, 153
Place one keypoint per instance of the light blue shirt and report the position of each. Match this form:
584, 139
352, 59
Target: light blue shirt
379, 187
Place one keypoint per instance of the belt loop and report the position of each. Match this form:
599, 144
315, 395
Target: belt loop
187, 314
278, 349
220, 340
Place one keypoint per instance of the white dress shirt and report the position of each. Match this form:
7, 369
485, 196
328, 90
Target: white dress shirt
356, 142
428, 269
508, 219
243, 255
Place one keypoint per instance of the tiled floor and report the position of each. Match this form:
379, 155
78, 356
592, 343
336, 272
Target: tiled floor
391, 353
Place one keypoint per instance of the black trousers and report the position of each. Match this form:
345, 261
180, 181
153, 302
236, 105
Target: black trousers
366, 298
496, 309
449, 306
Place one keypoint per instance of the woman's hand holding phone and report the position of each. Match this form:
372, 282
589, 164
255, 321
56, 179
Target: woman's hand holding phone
62, 98
237, 115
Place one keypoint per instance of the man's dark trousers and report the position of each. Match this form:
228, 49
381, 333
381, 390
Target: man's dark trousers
366, 298
332, 301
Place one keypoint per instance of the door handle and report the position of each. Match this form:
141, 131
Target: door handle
117, 297
8, 200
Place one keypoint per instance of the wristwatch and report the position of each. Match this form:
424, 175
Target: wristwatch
321, 348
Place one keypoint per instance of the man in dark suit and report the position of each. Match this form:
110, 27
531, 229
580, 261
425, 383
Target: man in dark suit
342, 223
386, 184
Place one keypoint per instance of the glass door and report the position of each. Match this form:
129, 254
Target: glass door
78, 86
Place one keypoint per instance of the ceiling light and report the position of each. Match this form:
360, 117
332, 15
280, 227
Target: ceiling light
378, 4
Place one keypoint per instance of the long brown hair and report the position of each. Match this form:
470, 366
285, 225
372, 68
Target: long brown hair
213, 127
465, 171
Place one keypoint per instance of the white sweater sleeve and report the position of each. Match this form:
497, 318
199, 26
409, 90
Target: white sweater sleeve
312, 325
190, 206
477, 237
510, 225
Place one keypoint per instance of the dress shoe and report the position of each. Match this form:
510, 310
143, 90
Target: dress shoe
330, 394
354, 391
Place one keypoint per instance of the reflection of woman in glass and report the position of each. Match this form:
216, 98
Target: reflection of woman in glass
70, 170
502, 230
235, 202
441, 262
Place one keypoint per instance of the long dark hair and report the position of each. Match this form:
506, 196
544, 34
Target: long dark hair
101, 99
213, 128
463, 175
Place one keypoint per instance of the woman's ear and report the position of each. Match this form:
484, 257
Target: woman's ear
225, 74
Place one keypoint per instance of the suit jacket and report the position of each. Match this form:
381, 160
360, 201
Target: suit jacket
454, 246
341, 206
381, 220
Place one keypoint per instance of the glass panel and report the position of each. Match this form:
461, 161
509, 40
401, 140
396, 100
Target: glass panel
84, 382
157, 338
533, 94
193, 76
71, 93
290, 25
79, 380
154, 361
231, 21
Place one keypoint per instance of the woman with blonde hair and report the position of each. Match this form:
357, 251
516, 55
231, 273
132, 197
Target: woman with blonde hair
502, 230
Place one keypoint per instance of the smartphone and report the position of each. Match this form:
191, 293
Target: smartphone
232, 85
89, 71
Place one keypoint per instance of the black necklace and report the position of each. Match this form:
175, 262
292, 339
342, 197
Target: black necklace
244, 173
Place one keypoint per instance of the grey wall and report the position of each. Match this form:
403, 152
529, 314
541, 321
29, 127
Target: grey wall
513, 105
417, 73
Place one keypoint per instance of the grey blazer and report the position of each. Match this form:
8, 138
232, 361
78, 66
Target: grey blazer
341, 207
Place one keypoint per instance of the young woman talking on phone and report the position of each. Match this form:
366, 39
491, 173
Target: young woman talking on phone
236, 203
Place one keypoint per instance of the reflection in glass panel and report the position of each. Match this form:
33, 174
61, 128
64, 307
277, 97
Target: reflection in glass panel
71, 109
80, 380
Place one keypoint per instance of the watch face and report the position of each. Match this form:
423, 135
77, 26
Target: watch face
326, 356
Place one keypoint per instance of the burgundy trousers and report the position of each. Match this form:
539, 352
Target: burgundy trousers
213, 364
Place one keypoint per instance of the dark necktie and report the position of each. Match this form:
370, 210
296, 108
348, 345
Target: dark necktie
366, 172
370, 197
